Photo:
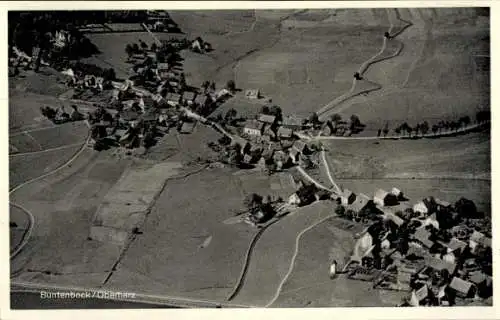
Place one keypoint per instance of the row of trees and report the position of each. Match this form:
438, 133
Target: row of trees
423, 128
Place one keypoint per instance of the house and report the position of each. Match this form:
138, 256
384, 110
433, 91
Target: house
454, 245
294, 199
403, 280
384, 198
421, 208
347, 197
478, 238
442, 204
253, 128
252, 94
187, 127
436, 264
173, 99
285, 133
390, 215
431, 220
478, 278
189, 97
267, 131
291, 123
463, 288
422, 236
203, 100
418, 296
129, 115
300, 146
247, 158
162, 67
397, 193
266, 118
362, 203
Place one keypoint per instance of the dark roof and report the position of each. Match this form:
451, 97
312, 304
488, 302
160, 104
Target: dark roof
477, 277
188, 127
381, 194
460, 285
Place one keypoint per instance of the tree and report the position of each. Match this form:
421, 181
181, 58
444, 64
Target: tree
435, 129
109, 74
154, 47
386, 129
276, 111
135, 48
466, 208
230, 115
424, 128
379, 132
129, 50
253, 202
398, 130
336, 118
340, 210
264, 110
231, 86
144, 46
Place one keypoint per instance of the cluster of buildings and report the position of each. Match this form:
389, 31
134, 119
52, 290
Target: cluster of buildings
426, 249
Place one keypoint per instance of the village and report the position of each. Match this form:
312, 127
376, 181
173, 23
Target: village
437, 252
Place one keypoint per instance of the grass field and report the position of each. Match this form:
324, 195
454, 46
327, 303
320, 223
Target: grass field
309, 284
455, 157
171, 253
272, 255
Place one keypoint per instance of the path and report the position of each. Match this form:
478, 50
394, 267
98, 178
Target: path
292, 262
365, 66
327, 167
31, 225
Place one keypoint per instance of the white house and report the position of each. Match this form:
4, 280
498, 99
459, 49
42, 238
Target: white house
421, 208
253, 128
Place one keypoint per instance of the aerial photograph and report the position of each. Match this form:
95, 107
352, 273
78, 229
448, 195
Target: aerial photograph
285, 158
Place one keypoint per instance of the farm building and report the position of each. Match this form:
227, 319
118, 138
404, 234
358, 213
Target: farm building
347, 197
397, 193
291, 123
422, 236
285, 133
384, 198
253, 128
362, 203
173, 99
463, 288
252, 94
421, 208
268, 119
477, 238
188, 127
189, 97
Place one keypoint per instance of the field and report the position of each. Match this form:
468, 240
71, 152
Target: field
185, 249
455, 157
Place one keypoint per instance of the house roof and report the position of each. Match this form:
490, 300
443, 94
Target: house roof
454, 244
423, 235
477, 277
404, 277
299, 145
347, 193
380, 194
460, 285
173, 96
129, 115
397, 220
285, 132
443, 203
189, 95
396, 191
252, 124
361, 201
188, 126
422, 293
247, 158
266, 118
439, 264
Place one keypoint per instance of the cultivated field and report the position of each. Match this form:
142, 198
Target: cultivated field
185, 249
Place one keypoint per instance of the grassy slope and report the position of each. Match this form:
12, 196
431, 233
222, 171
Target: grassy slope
63, 206
463, 156
187, 212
